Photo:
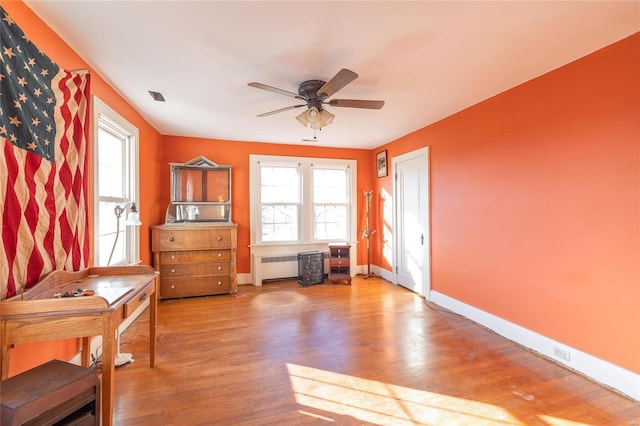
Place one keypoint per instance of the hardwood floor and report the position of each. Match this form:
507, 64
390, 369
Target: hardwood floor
370, 353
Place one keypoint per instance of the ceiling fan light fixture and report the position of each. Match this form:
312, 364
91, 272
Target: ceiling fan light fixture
312, 115
310, 118
315, 119
302, 119
326, 117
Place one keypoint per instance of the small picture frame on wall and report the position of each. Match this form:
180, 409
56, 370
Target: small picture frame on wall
381, 163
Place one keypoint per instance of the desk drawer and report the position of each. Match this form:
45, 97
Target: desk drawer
139, 299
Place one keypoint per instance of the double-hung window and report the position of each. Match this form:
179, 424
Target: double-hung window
331, 203
280, 202
302, 200
115, 187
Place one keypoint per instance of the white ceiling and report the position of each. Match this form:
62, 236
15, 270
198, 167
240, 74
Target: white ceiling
426, 59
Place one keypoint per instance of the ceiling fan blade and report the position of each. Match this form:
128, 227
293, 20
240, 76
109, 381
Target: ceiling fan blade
275, 90
265, 114
356, 103
340, 80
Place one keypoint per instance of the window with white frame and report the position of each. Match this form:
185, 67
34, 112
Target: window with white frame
302, 200
280, 201
115, 187
331, 203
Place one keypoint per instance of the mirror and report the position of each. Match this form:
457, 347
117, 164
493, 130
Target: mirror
200, 192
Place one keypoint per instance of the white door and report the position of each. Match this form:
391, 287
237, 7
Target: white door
411, 195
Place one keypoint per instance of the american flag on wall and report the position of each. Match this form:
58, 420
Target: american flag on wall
43, 173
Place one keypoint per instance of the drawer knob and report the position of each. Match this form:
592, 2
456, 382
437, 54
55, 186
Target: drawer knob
173, 256
173, 270
219, 282
219, 268
219, 254
173, 286
219, 238
172, 239
142, 297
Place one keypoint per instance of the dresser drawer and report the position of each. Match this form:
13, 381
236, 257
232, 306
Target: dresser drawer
191, 239
194, 269
139, 299
198, 256
341, 261
198, 286
339, 252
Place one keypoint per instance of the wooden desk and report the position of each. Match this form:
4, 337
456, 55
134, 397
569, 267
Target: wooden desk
37, 316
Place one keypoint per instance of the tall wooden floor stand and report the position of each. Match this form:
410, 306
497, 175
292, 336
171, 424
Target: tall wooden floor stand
367, 233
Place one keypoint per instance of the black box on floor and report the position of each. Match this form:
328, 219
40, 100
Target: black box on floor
310, 268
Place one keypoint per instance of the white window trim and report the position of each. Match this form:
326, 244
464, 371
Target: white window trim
102, 111
306, 231
352, 202
300, 203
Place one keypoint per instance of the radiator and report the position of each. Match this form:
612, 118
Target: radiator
275, 267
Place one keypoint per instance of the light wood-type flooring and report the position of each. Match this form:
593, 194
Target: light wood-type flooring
370, 353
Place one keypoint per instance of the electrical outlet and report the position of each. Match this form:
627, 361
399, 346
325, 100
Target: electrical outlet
562, 353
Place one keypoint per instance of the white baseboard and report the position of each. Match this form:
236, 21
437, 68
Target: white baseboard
244, 279
601, 371
383, 273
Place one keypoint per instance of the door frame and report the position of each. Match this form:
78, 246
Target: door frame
422, 153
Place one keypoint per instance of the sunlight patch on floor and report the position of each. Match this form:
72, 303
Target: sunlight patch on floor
317, 416
554, 421
383, 403
282, 301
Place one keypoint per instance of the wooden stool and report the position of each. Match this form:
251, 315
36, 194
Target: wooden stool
55, 392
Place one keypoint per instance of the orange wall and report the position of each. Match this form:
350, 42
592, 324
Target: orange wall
535, 204
27, 356
236, 154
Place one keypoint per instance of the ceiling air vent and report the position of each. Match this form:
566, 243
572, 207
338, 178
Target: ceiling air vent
157, 96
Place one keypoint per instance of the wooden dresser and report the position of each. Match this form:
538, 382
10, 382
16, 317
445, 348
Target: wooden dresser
195, 259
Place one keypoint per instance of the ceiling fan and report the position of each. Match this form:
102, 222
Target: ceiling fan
315, 94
